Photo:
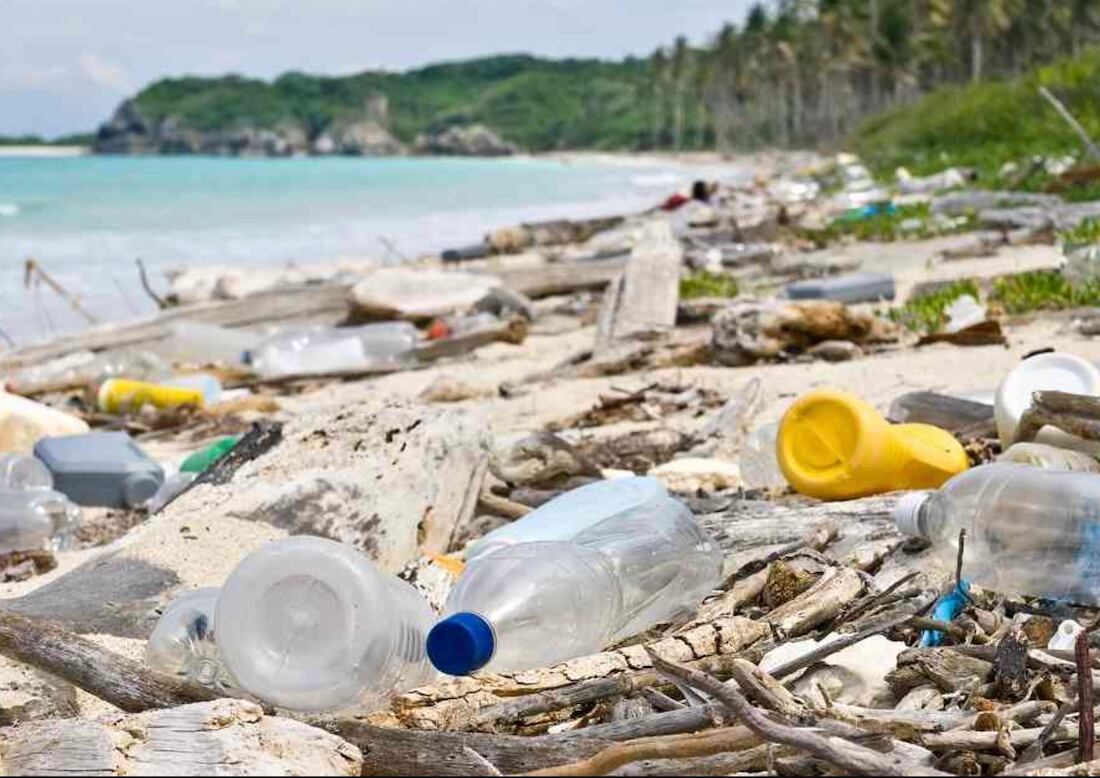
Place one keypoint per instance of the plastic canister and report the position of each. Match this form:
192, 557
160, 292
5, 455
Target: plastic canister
1044, 372
119, 395
835, 446
101, 469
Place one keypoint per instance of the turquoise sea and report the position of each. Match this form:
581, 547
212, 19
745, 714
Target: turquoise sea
86, 219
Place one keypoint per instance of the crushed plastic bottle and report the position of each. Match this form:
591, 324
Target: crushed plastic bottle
1029, 531
183, 642
20, 471
33, 519
333, 349
1065, 637
964, 312
536, 603
310, 624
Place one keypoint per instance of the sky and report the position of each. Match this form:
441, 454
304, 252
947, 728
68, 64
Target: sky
66, 64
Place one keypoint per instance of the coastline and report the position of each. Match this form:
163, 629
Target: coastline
45, 151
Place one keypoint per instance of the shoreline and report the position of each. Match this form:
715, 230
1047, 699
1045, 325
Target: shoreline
45, 152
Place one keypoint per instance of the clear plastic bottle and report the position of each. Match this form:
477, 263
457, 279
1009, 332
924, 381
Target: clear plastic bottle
183, 642
759, 464
569, 514
21, 471
538, 603
332, 349
1029, 531
310, 624
36, 518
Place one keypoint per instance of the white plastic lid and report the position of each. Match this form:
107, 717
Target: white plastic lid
907, 512
1044, 372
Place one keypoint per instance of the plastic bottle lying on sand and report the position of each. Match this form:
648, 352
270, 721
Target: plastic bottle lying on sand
36, 518
310, 624
183, 642
1050, 457
834, 446
537, 603
24, 422
759, 466
333, 349
121, 395
21, 471
1052, 371
1028, 531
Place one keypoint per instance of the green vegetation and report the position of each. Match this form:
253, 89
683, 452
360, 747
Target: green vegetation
1042, 290
82, 139
1088, 231
987, 124
538, 103
704, 283
900, 223
925, 314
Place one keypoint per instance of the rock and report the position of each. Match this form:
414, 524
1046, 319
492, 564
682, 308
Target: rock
323, 145
540, 458
128, 131
693, 474
702, 216
366, 138
835, 350
752, 330
509, 240
28, 695
471, 140
393, 481
417, 293
223, 737
447, 389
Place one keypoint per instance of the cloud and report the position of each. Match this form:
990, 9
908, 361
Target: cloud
104, 73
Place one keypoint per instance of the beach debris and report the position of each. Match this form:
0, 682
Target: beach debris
539, 459
649, 403
101, 469
330, 350
835, 351
748, 331
448, 389
1051, 375
120, 396
417, 294
852, 288
24, 422
1050, 457
220, 737
910, 456
962, 417
984, 333
759, 463
698, 474
465, 253
951, 178
645, 297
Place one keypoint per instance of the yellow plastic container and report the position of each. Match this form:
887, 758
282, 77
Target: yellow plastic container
835, 446
119, 395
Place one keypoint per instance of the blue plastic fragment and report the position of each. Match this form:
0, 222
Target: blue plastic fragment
946, 609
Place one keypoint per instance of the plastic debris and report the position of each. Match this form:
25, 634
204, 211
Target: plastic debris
1051, 371
101, 469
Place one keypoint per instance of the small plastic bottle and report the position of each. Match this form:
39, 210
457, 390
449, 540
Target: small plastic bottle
1050, 457
310, 624
332, 349
1028, 531
183, 642
33, 519
538, 603
759, 465
20, 471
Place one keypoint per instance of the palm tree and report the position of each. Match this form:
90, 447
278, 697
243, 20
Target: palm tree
680, 69
658, 75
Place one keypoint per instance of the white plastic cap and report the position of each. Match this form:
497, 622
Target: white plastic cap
907, 512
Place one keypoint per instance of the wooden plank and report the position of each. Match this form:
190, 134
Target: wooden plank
561, 277
650, 289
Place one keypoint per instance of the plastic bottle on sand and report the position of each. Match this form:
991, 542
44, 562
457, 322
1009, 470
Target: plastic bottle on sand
183, 643
32, 519
1029, 531
332, 349
310, 624
537, 603
835, 446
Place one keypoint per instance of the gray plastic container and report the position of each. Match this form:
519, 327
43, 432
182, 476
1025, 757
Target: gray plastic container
851, 288
100, 469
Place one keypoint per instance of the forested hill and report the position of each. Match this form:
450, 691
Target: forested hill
533, 103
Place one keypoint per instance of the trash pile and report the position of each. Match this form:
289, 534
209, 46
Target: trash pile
534, 509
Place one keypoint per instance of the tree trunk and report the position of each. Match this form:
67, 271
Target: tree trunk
977, 50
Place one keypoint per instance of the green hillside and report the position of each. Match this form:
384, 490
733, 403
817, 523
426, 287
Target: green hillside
539, 104
987, 124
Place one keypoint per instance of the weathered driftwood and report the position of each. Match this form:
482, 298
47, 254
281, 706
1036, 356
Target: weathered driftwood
947, 670
1073, 413
950, 413
556, 278
993, 740
646, 296
222, 737
822, 602
851, 757
457, 704
124, 683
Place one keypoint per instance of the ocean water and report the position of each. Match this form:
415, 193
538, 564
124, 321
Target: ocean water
86, 219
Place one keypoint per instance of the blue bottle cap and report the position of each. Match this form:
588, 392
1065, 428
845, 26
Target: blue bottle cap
461, 644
